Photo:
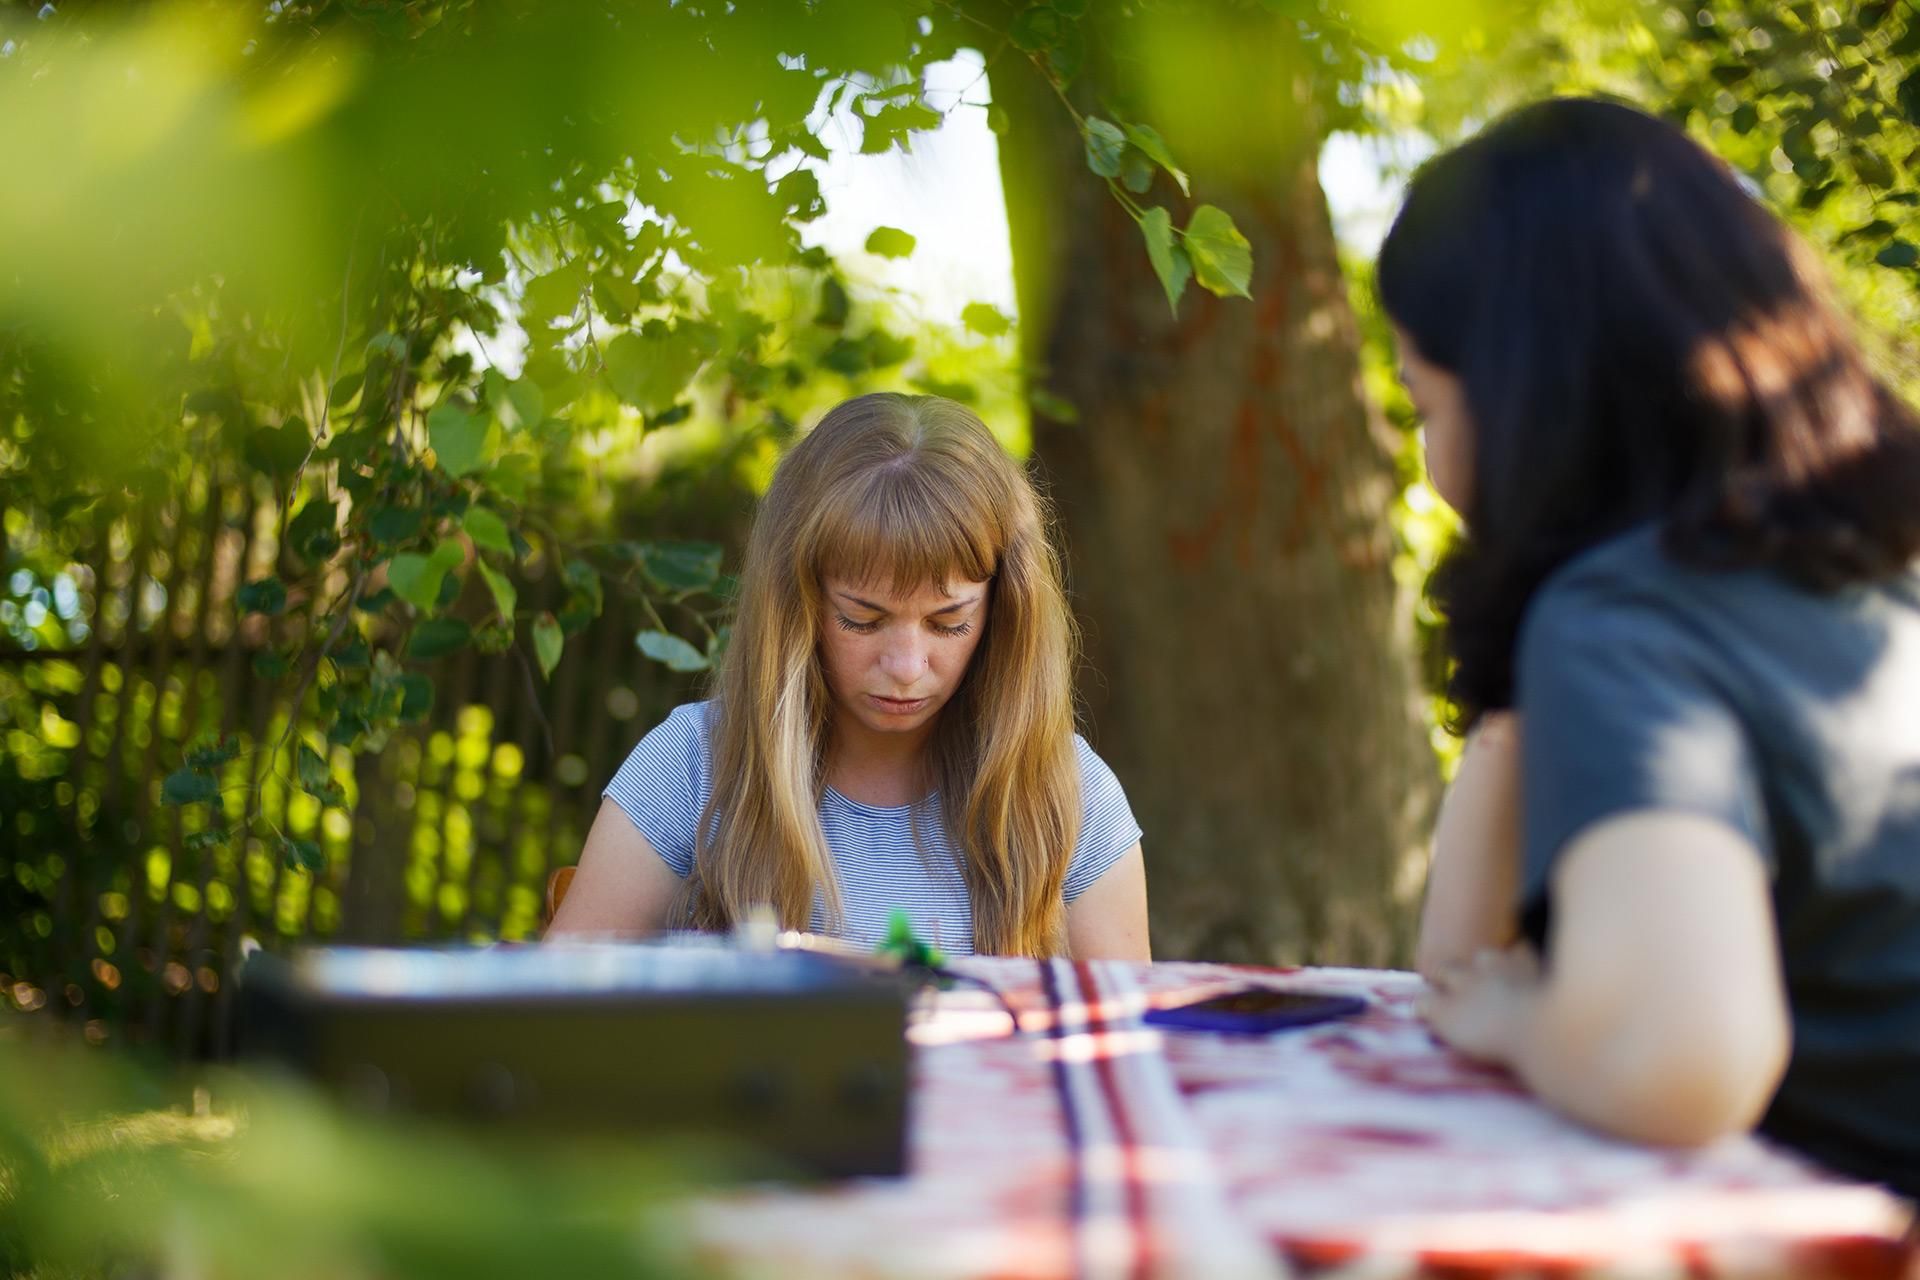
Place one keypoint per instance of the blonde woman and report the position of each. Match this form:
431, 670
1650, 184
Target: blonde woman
892, 727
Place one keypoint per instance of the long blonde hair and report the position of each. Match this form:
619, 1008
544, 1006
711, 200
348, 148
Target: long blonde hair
910, 491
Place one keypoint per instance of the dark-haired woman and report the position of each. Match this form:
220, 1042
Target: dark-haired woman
1677, 883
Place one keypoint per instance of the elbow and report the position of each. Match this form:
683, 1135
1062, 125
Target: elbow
1688, 1088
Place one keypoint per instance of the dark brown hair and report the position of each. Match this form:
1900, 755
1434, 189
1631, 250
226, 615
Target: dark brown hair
1638, 340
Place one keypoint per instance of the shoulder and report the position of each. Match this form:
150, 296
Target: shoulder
1103, 801
1626, 589
1094, 772
1107, 825
679, 742
690, 719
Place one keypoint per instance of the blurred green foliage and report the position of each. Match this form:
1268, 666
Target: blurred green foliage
107, 1168
420, 268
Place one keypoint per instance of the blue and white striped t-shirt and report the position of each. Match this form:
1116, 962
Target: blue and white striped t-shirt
665, 782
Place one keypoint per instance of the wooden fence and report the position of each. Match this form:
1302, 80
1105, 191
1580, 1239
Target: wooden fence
112, 915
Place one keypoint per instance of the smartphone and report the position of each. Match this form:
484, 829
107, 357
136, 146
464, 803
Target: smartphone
1256, 1009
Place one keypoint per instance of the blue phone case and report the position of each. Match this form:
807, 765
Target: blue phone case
1304, 1009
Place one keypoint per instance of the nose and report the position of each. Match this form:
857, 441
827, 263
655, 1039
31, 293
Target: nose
904, 657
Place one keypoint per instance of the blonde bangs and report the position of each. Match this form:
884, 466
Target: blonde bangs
903, 526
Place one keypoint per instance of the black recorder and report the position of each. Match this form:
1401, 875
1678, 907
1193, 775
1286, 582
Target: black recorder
799, 1056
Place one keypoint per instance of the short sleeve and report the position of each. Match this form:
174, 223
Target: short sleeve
1107, 826
663, 785
1623, 707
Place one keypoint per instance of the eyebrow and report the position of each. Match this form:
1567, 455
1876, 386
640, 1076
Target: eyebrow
955, 607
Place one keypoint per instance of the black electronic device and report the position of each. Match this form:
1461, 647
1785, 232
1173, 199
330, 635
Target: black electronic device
1254, 1010
801, 1056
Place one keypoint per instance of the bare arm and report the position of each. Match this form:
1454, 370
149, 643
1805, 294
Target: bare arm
1474, 877
622, 886
1663, 1016
1109, 920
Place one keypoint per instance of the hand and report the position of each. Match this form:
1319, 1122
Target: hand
1480, 1007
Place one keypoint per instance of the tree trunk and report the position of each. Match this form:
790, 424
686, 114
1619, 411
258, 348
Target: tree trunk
1223, 500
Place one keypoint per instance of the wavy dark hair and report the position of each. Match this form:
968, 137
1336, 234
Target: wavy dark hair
1639, 341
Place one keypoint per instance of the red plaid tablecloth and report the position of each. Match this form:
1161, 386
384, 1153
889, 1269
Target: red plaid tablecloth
1091, 1145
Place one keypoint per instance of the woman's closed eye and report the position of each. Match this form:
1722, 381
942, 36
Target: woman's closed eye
872, 625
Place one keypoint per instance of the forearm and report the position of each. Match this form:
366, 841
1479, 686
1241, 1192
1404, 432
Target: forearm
1636, 1073
1664, 1017
1473, 880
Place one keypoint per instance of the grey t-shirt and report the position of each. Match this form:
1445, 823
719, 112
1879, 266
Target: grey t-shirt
1794, 718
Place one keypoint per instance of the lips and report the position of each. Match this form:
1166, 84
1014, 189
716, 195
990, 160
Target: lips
897, 706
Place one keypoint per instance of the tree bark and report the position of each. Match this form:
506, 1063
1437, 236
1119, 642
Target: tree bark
1223, 500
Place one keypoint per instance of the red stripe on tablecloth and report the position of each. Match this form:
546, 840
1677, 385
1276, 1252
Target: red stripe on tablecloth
1136, 1189
1076, 1143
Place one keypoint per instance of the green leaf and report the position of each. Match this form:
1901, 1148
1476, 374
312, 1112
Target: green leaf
302, 855
459, 439
516, 402
269, 665
1034, 28
487, 530
504, 596
1136, 171
834, 304
310, 767
211, 753
1898, 253
388, 346
671, 650
1068, 53
417, 579
1154, 148
1106, 144
390, 525
650, 370
1222, 258
188, 786
890, 242
985, 319
511, 476
280, 450
548, 641
799, 192
583, 581
344, 389
263, 595
998, 120
352, 655
494, 637
1048, 405
437, 637
892, 125
1871, 231
679, 567
416, 697
1169, 259
312, 533
556, 294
